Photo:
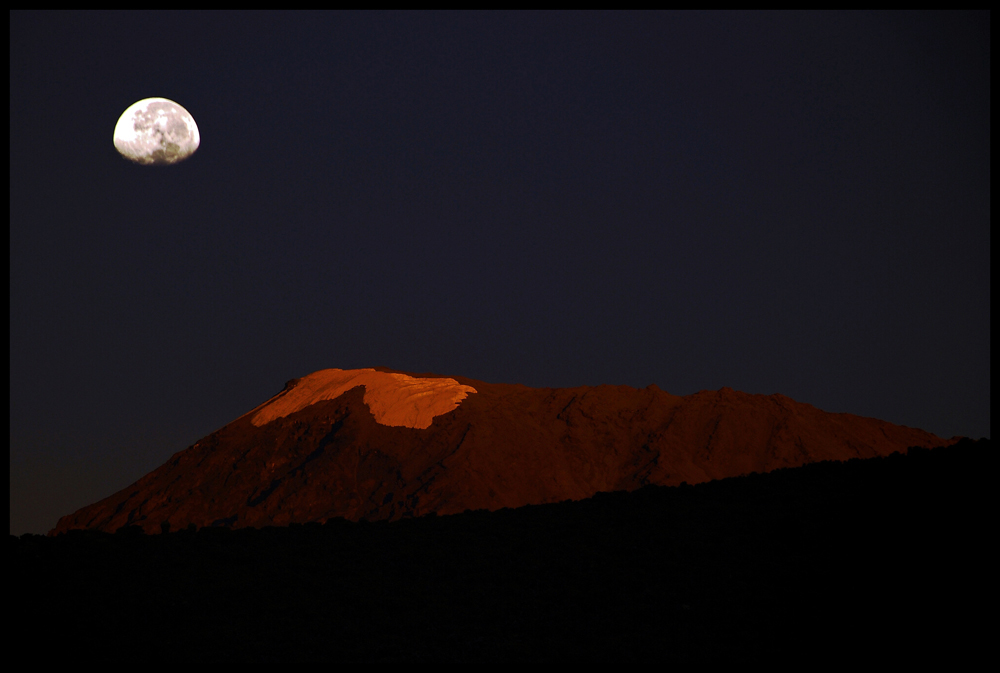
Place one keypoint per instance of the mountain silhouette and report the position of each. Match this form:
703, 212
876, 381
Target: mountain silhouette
378, 444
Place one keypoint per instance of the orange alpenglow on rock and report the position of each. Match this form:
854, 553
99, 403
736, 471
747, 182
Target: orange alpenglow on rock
380, 444
394, 399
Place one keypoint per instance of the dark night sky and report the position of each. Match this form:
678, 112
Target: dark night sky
793, 203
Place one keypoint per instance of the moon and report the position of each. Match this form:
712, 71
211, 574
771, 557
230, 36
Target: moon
156, 131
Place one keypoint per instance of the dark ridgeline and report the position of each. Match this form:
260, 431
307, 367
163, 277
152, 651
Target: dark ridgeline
504, 446
881, 561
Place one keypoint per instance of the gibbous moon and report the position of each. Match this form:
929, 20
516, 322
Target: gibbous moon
156, 131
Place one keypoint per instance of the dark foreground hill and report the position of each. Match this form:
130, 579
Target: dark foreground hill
367, 444
884, 560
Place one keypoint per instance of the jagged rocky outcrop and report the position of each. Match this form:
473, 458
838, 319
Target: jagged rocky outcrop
487, 446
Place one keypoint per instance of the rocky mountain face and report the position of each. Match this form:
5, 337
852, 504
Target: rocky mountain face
318, 450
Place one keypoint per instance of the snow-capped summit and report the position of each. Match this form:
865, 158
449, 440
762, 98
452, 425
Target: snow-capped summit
394, 399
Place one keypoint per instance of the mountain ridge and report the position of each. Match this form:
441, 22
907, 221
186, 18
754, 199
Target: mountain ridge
506, 445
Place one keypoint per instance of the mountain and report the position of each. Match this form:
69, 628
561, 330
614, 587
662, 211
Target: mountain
380, 444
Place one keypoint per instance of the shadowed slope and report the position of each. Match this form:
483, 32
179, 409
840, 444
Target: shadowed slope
505, 446
882, 559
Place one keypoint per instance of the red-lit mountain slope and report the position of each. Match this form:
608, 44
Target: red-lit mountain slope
315, 451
